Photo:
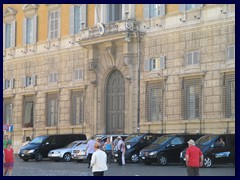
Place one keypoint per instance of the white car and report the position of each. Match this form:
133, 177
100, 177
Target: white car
65, 152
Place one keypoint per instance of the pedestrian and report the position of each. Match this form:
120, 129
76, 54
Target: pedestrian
108, 149
99, 161
5, 141
120, 150
8, 160
194, 159
90, 150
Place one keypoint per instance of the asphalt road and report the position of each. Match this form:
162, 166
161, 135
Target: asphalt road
52, 168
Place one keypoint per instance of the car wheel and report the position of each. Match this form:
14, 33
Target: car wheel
207, 162
162, 160
38, 157
67, 157
134, 158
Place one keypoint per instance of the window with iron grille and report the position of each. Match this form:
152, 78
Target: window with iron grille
229, 95
7, 117
154, 101
192, 99
28, 111
52, 109
77, 108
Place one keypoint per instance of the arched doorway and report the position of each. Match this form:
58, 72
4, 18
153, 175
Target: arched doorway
115, 99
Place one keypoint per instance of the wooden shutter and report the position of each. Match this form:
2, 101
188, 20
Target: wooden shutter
147, 64
146, 13
83, 12
49, 25
59, 23
3, 84
182, 7
231, 53
13, 35
24, 37
162, 9
24, 81
71, 20
12, 83
34, 80
35, 27
162, 62
4, 35
195, 57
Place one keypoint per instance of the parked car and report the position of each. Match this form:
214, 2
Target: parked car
134, 143
40, 146
213, 152
166, 149
79, 153
64, 153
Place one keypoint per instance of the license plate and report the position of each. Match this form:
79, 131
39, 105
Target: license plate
143, 157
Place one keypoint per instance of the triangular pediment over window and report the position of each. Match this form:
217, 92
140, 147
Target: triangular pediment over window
9, 11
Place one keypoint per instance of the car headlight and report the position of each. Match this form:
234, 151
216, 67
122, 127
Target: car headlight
128, 146
152, 153
31, 151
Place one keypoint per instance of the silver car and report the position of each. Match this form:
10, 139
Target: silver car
65, 152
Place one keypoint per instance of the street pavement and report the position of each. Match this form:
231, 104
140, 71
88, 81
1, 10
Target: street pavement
52, 168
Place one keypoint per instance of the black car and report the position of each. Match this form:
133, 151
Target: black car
166, 148
40, 146
134, 143
213, 151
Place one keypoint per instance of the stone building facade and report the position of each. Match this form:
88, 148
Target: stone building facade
111, 68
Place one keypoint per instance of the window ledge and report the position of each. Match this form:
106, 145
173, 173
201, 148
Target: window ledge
201, 73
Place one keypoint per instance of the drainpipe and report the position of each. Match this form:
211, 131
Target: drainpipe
138, 85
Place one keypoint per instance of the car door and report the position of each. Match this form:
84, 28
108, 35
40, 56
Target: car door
173, 149
48, 145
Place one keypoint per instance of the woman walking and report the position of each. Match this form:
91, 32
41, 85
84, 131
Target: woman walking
8, 160
108, 149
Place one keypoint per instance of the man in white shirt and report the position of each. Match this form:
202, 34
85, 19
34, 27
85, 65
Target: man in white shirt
120, 150
99, 161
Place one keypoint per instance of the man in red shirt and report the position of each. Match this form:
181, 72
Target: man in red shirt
194, 159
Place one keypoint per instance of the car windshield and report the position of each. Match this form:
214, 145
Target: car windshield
38, 140
205, 140
162, 140
71, 144
133, 138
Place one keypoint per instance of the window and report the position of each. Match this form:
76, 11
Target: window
177, 141
191, 99
54, 24
154, 101
8, 35
8, 83
7, 119
186, 7
77, 18
77, 108
29, 80
28, 112
154, 64
192, 58
78, 74
30, 30
153, 10
52, 109
53, 77
229, 95
231, 53
114, 12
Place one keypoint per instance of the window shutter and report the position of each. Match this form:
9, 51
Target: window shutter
49, 25
12, 83
24, 31
199, 5
195, 57
58, 22
71, 20
147, 65
35, 26
83, 16
3, 84
146, 12
4, 35
13, 36
231, 52
24, 81
162, 9
182, 7
34, 80
162, 62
